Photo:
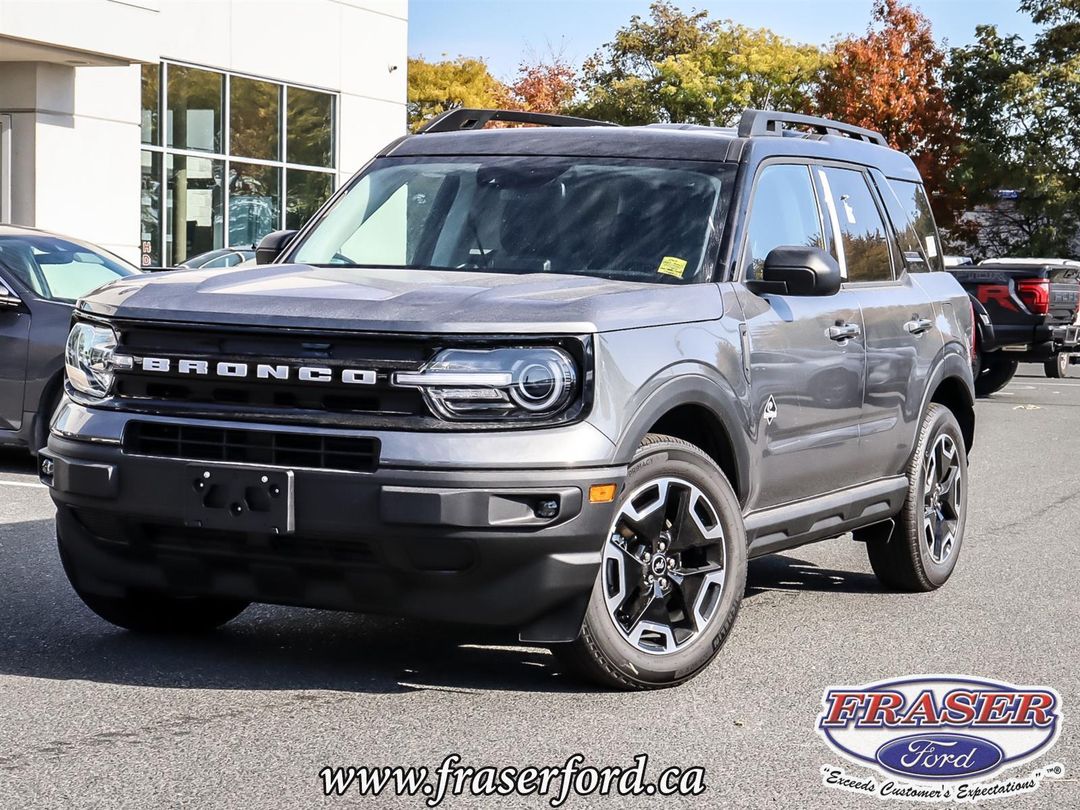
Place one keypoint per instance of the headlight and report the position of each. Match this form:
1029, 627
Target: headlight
518, 383
89, 358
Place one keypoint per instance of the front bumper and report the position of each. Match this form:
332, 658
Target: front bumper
456, 544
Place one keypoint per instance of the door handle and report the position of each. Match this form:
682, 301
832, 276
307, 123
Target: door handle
919, 325
844, 331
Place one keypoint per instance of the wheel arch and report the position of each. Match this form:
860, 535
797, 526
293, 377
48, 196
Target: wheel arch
951, 386
697, 410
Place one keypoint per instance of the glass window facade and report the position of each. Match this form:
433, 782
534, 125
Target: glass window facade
227, 159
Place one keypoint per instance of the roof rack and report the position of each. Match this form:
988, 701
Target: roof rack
462, 118
770, 122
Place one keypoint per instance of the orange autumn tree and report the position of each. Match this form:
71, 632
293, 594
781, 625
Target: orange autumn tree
544, 86
891, 80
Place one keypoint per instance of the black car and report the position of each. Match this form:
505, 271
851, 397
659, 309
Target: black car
41, 277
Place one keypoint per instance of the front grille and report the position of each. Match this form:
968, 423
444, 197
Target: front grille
273, 448
381, 354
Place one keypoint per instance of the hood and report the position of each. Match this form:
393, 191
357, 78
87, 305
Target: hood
393, 300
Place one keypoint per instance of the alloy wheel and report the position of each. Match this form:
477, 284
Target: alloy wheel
663, 565
942, 498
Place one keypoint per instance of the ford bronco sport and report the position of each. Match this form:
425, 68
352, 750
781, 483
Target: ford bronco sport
563, 378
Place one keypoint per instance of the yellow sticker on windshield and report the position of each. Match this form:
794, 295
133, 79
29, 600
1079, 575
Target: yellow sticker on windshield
672, 266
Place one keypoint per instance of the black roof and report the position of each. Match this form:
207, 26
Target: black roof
655, 141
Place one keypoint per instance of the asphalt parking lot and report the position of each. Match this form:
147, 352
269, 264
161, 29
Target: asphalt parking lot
94, 717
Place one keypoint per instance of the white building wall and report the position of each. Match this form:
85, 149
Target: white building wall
75, 115
87, 161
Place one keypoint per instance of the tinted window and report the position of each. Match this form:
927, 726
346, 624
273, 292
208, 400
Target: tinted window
784, 213
254, 118
863, 246
254, 202
310, 138
193, 207
220, 261
918, 220
523, 215
195, 103
305, 192
56, 268
151, 103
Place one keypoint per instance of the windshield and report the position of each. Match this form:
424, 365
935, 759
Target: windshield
620, 219
57, 269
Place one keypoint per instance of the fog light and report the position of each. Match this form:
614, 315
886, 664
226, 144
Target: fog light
47, 468
547, 509
602, 493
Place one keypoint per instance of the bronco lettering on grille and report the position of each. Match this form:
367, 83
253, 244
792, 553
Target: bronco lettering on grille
261, 371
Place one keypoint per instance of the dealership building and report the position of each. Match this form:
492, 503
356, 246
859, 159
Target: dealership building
160, 129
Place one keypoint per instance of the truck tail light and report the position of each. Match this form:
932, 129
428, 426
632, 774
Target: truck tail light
1035, 293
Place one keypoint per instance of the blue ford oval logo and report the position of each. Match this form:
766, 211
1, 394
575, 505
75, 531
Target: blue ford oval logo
939, 756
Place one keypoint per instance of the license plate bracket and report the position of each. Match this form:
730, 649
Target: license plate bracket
243, 499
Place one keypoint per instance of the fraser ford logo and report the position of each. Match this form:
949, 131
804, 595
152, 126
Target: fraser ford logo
940, 737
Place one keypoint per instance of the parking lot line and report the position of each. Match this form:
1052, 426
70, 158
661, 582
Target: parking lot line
30, 484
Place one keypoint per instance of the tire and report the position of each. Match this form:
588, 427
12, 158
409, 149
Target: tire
698, 597
1058, 366
996, 374
919, 555
149, 612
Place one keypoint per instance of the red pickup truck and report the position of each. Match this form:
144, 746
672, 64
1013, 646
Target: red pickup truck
1025, 311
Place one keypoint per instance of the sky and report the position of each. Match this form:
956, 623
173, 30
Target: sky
503, 32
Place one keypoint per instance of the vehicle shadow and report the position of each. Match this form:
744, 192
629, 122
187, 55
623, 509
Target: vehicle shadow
51, 634
778, 572
13, 460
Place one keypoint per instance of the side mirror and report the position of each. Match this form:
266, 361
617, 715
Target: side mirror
272, 245
8, 299
801, 271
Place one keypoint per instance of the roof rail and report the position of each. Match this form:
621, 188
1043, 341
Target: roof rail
770, 122
462, 118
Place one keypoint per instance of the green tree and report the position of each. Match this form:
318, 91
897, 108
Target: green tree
435, 87
687, 68
1020, 110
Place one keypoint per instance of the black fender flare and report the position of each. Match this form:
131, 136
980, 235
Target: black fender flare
952, 363
693, 389
39, 430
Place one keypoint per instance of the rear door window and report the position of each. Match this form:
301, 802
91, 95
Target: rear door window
862, 238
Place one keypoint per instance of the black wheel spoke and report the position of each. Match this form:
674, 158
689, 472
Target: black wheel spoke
619, 542
943, 497
950, 496
645, 606
649, 516
677, 513
664, 565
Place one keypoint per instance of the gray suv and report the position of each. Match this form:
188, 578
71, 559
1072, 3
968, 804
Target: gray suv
564, 378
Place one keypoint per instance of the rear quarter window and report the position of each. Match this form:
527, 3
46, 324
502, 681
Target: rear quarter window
909, 208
